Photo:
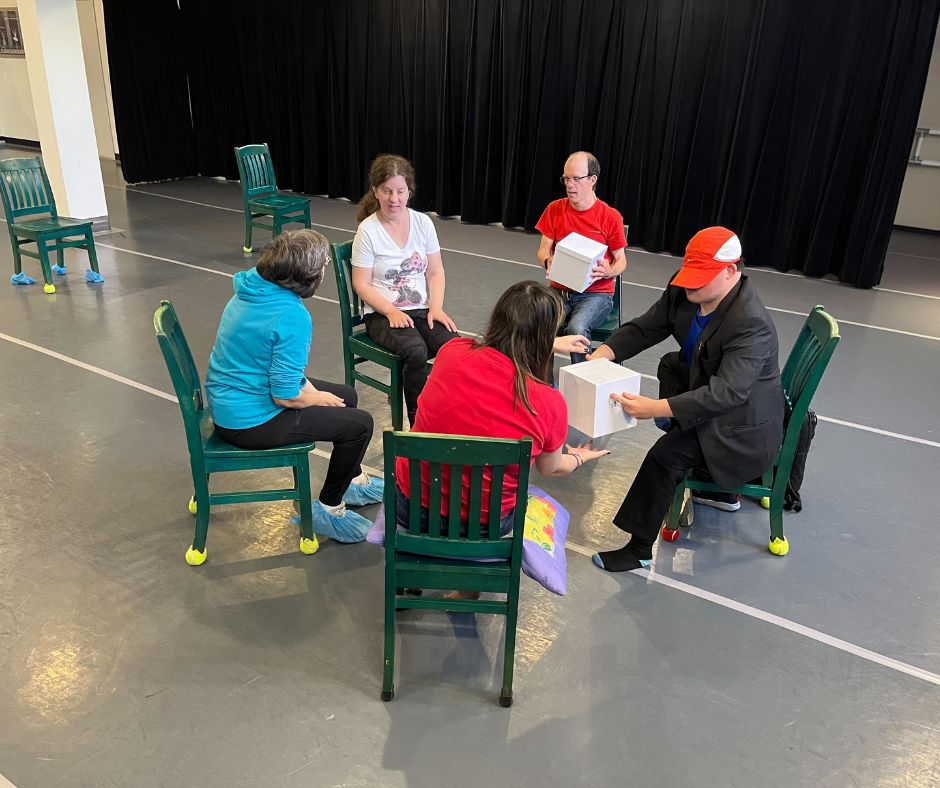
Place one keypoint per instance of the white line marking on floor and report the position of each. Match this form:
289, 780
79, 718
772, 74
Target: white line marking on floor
778, 621
731, 604
5, 783
850, 424
663, 255
877, 431
89, 367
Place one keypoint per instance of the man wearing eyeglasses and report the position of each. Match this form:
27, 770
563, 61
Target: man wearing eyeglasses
583, 213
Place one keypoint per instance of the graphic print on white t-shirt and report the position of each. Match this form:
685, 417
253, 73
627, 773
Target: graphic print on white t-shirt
405, 284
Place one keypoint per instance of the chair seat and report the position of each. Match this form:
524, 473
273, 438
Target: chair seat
278, 202
215, 447
362, 345
60, 226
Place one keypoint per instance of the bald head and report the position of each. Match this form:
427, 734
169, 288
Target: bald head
585, 162
580, 179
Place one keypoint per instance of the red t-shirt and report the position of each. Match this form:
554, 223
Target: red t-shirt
471, 391
600, 223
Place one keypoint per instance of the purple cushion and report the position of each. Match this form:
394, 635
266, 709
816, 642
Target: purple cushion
543, 542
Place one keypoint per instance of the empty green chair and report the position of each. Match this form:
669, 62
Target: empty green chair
261, 197
800, 377
32, 218
441, 557
357, 347
209, 454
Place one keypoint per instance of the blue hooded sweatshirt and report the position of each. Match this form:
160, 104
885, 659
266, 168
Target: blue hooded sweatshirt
260, 352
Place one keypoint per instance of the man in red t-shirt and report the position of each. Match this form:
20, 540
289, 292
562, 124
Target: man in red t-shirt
583, 213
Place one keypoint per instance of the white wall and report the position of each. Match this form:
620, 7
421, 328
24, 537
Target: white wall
17, 117
919, 205
17, 114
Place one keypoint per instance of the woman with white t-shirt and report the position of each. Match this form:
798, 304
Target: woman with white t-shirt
399, 275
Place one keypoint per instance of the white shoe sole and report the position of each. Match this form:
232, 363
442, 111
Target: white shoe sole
723, 505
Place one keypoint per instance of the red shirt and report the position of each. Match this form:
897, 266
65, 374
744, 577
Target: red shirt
600, 223
471, 391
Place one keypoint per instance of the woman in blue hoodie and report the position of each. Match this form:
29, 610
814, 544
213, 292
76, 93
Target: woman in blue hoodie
259, 396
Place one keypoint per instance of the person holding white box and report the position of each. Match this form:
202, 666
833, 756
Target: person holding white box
594, 224
723, 392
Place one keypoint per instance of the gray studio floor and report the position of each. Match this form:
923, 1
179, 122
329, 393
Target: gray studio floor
725, 666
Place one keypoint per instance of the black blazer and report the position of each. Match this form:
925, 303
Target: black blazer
734, 397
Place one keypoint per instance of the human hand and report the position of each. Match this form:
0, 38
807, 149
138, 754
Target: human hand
441, 317
586, 452
327, 400
399, 319
601, 270
642, 407
571, 343
602, 352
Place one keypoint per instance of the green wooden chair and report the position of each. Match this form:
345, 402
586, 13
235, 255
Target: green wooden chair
210, 454
261, 197
29, 207
440, 558
804, 369
357, 347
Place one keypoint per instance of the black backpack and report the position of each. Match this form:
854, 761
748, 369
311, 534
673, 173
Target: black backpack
791, 498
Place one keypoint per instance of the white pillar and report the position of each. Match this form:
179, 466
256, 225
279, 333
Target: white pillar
56, 68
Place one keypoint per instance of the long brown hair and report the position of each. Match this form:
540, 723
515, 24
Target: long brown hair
522, 327
384, 167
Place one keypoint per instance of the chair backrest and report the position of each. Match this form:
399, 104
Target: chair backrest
183, 372
462, 455
256, 170
804, 369
350, 304
25, 188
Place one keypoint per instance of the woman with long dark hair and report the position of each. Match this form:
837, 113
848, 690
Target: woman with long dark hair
399, 274
498, 387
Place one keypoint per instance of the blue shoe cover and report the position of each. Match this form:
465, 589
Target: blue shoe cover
21, 279
348, 527
93, 276
61, 270
364, 494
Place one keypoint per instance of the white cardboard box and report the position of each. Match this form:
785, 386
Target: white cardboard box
572, 261
587, 387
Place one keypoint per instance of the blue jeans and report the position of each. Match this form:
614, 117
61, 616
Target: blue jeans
583, 313
403, 503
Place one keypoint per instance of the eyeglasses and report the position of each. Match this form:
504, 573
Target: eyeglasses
573, 178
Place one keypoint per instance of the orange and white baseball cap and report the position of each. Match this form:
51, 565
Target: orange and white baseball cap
708, 254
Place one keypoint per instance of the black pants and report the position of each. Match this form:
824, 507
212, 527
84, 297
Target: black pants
415, 346
665, 465
348, 429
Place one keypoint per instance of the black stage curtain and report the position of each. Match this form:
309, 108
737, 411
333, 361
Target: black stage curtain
148, 66
789, 121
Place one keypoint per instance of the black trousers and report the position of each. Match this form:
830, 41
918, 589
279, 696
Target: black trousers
665, 465
415, 346
348, 429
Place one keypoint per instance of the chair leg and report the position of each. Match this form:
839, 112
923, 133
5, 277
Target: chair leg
196, 554
308, 541
307, 216
92, 252
509, 652
247, 247
778, 544
17, 259
388, 673
60, 257
670, 529
348, 367
397, 398
278, 225
48, 287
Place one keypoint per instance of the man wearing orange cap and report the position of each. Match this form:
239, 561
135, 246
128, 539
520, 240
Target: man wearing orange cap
721, 391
